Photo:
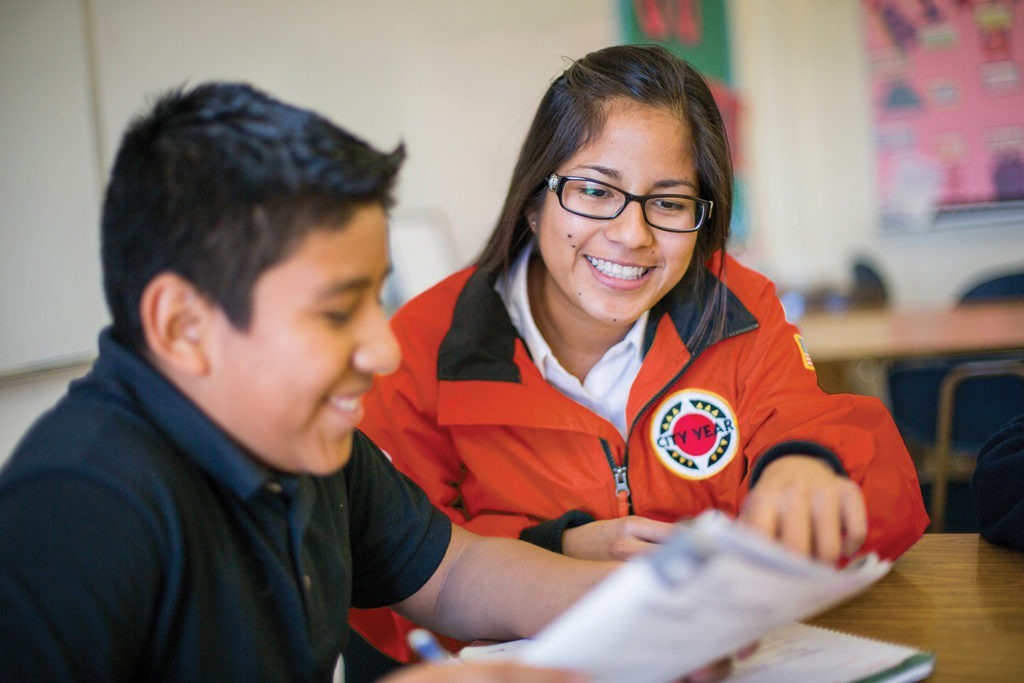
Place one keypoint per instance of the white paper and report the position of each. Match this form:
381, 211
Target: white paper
712, 589
811, 654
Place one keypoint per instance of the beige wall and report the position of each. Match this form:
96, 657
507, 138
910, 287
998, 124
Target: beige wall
457, 80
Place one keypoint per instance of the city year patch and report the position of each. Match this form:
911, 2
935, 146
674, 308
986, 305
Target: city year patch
695, 433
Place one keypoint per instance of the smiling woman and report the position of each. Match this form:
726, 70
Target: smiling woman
605, 368
595, 278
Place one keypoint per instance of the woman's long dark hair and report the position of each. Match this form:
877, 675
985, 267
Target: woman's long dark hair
572, 113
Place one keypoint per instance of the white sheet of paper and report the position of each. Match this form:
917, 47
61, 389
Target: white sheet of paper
712, 589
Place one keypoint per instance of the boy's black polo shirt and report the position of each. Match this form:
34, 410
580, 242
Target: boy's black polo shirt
139, 542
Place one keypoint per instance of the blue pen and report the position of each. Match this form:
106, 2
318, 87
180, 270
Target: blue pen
426, 646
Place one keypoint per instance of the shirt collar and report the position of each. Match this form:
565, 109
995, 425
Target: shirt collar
513, 291
182, 423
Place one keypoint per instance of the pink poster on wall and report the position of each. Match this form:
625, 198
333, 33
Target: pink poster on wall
947, 99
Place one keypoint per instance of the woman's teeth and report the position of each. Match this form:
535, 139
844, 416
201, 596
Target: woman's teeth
616, 270
346, 403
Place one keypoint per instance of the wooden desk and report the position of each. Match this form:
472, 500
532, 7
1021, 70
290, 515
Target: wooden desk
955, 595
892, 333
838, 341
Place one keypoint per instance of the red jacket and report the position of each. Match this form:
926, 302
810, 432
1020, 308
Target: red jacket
470, 419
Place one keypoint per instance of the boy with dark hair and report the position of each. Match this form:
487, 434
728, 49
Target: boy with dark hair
201, 506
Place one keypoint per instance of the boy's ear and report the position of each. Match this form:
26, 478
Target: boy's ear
176, 322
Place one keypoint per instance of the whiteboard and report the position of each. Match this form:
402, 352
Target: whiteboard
51, 301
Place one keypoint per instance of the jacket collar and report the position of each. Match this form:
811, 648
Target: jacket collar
684, 308
482, 339
480, 343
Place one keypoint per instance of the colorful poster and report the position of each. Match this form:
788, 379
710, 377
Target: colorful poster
947, 100
693, 29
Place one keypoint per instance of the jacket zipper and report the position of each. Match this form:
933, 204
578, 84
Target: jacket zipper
621, 476
621, 472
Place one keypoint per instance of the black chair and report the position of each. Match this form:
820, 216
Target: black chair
869, 288
947, 407
1008, 286
1003, 381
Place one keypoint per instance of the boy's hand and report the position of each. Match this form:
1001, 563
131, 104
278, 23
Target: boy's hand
503, 672
508, 672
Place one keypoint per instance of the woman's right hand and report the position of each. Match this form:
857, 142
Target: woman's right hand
615, 539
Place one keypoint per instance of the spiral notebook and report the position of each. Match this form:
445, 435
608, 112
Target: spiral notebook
812, 654
801, 652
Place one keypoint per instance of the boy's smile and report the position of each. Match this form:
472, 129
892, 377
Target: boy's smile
290, 387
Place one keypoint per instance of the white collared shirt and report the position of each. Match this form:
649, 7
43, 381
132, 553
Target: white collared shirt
606, 387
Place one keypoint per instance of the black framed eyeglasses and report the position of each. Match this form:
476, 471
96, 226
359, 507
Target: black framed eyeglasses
597, 199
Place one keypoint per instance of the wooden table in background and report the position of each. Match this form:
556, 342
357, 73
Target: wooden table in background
838, 341
952, 594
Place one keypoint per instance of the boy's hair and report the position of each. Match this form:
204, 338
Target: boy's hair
217, 184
